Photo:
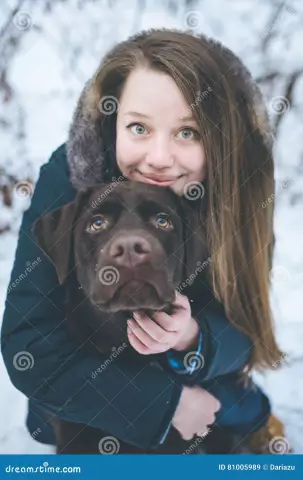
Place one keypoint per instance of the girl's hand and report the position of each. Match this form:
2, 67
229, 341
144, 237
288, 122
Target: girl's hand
162, 332
195, 411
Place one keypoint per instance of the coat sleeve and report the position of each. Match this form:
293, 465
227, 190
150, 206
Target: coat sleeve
134, 404
225, 350
221, 349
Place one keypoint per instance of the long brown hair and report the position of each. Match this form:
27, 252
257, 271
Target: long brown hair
233, 123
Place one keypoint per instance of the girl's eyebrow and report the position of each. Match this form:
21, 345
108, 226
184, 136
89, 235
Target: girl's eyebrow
137, 114
186, 118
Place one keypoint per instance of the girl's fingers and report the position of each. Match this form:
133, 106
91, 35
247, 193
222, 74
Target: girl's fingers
175, 321
136, 344
155, 330
165, 321
139, 346
144, 337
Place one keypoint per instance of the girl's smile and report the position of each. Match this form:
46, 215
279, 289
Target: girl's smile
163, 180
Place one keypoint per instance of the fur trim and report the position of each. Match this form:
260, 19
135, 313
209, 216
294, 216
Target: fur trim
85, 146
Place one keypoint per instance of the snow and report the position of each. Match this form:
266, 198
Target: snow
47, 74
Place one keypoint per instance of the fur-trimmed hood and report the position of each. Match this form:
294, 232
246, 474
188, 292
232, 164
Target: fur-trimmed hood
91, 153
86, 147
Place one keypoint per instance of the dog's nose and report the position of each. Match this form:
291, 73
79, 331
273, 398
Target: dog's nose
130, 251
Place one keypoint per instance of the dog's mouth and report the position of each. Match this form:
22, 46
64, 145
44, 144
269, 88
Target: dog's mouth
137, 294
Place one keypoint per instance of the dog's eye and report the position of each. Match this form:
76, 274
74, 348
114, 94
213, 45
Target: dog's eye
163, 222
97, 224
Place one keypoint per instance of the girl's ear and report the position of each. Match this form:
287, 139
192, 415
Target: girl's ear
53, 233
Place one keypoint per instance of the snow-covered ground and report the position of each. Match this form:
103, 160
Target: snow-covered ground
47, 75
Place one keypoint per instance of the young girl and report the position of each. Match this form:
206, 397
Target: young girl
178, 111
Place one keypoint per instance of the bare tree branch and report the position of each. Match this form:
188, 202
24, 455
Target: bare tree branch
288, 94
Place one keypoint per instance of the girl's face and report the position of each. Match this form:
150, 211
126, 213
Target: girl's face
157, 136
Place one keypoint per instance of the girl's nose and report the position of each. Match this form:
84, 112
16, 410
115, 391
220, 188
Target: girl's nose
159, 156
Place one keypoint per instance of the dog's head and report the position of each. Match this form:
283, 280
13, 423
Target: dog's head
133, 244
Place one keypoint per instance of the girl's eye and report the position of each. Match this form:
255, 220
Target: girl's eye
163, 222
99, 223
137, 128
188, 134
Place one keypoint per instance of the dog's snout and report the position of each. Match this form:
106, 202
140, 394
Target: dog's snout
130, 251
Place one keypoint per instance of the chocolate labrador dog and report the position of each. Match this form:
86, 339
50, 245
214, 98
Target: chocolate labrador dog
118, 248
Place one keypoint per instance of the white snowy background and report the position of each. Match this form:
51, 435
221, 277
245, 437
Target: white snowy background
48, 49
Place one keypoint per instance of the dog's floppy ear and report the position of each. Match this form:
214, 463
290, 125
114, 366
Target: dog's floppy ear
53, 233
195, 240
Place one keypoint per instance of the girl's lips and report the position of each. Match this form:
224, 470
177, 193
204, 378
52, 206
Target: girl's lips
154, 182
165, 183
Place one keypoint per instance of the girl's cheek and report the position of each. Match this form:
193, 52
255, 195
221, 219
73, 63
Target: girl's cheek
127, 159
129, 151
